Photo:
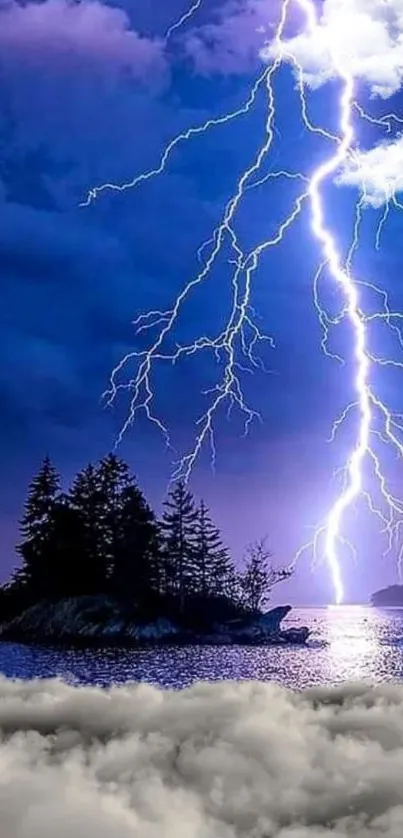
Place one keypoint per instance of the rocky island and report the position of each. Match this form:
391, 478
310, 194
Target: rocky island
97, 621
99, 568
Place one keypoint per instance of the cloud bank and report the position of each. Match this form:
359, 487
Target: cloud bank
56, 33
213, 761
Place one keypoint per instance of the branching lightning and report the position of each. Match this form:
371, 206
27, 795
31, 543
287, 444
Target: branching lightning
236, 344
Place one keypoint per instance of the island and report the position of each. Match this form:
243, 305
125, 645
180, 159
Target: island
98, 567
390, 597
100, 621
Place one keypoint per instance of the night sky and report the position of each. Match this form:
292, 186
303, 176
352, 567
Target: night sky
90, 93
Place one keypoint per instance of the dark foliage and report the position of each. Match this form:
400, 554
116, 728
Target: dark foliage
178, 540
259, 576
102, 538
37, 529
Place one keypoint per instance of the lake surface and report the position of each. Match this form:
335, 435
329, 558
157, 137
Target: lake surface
347, 643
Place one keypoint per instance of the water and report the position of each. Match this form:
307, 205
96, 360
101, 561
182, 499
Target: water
347, 643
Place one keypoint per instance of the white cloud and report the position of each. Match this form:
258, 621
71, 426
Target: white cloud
378, 172
365, 36
229, 760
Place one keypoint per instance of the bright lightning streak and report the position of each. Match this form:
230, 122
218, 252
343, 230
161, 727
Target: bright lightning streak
229, 389
240, 335
343, 278
185, 135
385, 121
366, 400
185, 17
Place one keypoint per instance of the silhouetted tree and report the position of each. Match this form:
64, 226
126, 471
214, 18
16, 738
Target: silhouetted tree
259, 576
36, 545
178, 534
87, 502
70, 572
102, 538
114, 479
136, 568
214, 569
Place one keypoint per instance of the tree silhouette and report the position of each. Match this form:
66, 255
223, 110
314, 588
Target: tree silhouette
136, 569
37, 531
178, 534
86, 500
214, 569
69, 572
114, 479
102, 538
259, 576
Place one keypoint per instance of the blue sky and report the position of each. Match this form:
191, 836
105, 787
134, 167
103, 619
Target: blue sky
95, 98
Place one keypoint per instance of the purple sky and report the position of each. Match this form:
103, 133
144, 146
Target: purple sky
89, 92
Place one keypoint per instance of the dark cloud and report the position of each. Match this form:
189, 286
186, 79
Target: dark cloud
231, 43
60, 33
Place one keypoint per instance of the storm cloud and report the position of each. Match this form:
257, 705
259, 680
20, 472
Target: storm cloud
59, 31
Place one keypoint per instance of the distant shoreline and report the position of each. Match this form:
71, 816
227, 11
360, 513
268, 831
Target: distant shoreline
390, 597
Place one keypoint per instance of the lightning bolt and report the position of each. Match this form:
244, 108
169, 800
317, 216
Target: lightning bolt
385, 121
235, 345
185, 17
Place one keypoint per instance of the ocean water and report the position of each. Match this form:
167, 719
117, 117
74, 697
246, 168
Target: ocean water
347, 643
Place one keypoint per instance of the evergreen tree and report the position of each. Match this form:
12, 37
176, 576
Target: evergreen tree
213, 566
114, 479
259, 576
103, 537
97, 498
70, 573
87, 502
178, 532
136, 569
36, 546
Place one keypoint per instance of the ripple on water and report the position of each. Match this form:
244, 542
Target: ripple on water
347, 643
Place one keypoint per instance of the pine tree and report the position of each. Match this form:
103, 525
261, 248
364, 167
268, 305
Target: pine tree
178, 532
114, 480
36, 546
136, 568
87, 501
213, 565
259, 576
70, 572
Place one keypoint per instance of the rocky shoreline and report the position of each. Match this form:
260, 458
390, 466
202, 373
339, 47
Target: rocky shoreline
100, 621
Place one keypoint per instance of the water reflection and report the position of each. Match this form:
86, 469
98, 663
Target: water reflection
347, 643
354, 643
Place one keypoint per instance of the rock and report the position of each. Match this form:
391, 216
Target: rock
295, 635
270, 620
262, 629
77, 619
160, 630
98, 620
83, 617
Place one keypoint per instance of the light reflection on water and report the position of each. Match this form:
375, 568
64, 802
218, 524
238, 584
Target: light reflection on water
347, 643
355, 642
